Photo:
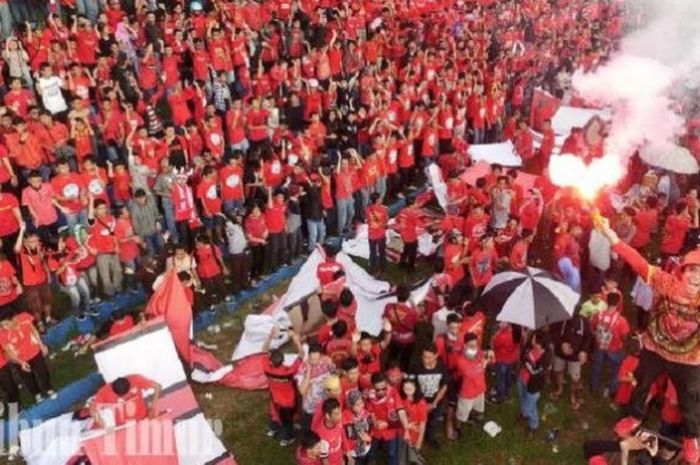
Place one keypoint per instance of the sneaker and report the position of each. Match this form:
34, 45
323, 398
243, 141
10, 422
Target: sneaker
625, 427
95, 300
93, 312
52, 394
286, 442
38, 398
228, 298
81, 317
270, 433
691, 454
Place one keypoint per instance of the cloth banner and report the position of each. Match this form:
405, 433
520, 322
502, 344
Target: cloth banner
502, 153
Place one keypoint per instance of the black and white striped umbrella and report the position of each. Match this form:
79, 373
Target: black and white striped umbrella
531, 298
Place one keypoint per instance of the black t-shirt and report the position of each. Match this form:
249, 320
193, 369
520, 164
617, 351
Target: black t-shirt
430, 380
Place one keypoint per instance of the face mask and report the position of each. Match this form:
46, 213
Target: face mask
470, 353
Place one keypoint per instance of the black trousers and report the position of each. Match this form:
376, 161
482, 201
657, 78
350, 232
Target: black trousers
408, 256
277, 249
686, 379
377, 254
37, 379
239, 271
8, 385
257, 261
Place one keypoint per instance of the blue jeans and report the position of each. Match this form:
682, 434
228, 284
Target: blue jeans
79, 295
478, 136
598, 359
153, 243
231, 206
73, 219
167, 204
504, 379
89, 8
317, 233
528, 405
346, 212
391, 448
6, 20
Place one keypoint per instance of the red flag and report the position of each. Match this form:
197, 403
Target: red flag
169, 300
544, 106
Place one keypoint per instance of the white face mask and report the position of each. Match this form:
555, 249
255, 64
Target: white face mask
470, 353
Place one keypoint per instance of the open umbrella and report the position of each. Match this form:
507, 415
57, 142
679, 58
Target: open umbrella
530, 298
670, 157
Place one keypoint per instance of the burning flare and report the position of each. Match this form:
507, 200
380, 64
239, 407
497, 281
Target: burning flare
569, 170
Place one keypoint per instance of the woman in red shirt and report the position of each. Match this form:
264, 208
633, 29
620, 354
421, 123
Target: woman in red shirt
416, 411
23, 347
256, 233
35, 275
211, 270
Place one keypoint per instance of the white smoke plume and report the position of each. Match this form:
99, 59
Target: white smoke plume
655, 62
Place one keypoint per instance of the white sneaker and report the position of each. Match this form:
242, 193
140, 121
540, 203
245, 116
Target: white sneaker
52, 394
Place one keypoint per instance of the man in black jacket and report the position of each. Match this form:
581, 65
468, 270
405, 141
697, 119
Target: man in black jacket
573, 342
312, 211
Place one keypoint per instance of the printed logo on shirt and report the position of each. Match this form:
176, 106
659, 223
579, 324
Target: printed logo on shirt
71, 191
233, 180
212, 192
95, 187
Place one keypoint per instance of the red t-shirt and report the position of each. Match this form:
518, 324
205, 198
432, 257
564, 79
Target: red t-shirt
255, 226
208, 194
377, 218
403, 320
331, 442
130, 406
102, 235
68, 186
208, 258
8, 290
21, 339
326, 270
275, 217
610, 329
625, 388
128, 250
416, 414
505, 349
481, 266
473, 375
675, 229
8, 221
281, 382
645, 221
231, 182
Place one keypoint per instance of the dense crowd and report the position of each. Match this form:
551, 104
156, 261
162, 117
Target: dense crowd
224, 139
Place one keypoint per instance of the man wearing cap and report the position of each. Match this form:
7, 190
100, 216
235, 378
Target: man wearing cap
671, 341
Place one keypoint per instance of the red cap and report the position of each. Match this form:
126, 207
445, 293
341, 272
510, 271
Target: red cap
691, 258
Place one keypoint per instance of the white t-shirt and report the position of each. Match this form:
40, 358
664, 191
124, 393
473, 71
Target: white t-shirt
51, 95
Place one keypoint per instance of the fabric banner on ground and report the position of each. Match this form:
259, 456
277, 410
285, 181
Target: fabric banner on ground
571, 117
502, 153
150, 352
482, 169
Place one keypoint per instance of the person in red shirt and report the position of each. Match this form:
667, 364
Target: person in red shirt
256, 232
505, 343
625, 375
10, 220
129, 247
388, 417
645, 222
231, 179
105, 244
210, 200
10, 290
408, 222
282, 387
403, 317
34, 275
676, 228
519, 252
124, 400
69, 193
330, 431
482, 264
368, 353
23, 347
210, 270
275, 219
472, 372
310, 450
416, 411
377, 216
610, 329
